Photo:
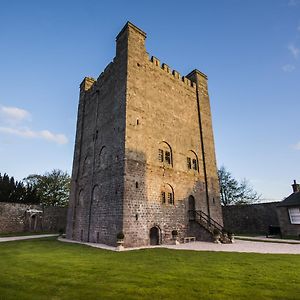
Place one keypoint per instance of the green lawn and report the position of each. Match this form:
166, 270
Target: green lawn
48, 269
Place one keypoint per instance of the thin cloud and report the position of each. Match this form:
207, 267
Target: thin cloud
297, 146
294, 50
293, 2
14, 114
288, 68
12, 122
28, 133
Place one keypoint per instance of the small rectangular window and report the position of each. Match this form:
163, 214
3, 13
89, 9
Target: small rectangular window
163, 197
170, 198
189, 164
168, 157
195, 167
160, 155
294, 215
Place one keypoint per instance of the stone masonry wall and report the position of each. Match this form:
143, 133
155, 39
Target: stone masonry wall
133, 109
285, 224
15, 218
95, 208
162, 110
252, 218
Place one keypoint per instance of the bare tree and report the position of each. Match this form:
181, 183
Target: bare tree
234, 192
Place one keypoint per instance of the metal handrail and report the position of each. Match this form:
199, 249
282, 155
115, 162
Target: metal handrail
193, 214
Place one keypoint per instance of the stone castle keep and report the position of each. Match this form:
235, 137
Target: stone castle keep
144, 160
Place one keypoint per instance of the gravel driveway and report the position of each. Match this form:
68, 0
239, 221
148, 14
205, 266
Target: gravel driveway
238, 246
241, 246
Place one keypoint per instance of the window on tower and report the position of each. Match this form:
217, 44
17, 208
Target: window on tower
192, 161
165, 154
167, 194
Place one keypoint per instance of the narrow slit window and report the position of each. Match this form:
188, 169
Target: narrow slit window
195, 167
168, 157
189, 164
163, 197
170, 198
160, 155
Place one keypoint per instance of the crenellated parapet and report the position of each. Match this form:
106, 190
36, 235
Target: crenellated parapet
106, 73
91, 85
174, 73
87, 84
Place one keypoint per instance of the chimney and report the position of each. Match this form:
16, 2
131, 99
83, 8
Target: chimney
296, 187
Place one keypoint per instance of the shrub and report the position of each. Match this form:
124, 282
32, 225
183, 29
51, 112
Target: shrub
61, 231
224, 231
216, 231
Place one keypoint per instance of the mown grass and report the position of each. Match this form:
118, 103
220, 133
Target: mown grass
48, 269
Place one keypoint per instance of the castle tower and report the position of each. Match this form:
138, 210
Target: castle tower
144, 153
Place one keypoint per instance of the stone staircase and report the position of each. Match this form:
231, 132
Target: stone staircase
210, 225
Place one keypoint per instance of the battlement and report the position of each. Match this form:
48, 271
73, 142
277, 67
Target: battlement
132, 26
90, 84
173, 73
106, 72
87, 83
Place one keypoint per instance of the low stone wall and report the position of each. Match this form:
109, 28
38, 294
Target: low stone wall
16, 217
250, 218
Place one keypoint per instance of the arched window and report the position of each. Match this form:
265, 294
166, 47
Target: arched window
96, 194
86, 165
80, 199
103, 157
165, 155
192, 161
167, 194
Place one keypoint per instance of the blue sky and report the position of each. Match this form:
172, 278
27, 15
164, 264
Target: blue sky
250, 51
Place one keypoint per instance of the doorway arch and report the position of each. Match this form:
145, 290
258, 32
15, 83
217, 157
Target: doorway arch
33, 222
154, 236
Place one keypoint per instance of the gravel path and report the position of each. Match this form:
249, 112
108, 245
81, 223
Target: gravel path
25, 237
241, 246
265, 239
238, 246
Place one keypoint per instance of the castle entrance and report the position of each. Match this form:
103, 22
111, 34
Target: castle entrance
154, 236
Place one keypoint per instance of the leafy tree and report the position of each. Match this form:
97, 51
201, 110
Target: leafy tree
234, 192
7, 188
52, 188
